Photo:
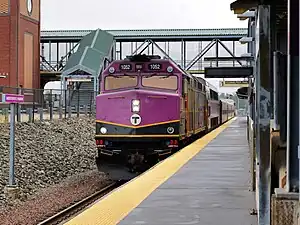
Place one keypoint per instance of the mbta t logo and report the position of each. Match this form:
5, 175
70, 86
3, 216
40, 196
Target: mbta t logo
135, 119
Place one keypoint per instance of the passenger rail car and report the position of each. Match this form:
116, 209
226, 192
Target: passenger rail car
227, 110
147, 108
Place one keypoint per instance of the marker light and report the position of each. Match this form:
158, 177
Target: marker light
111, 69
170, 69
135, 105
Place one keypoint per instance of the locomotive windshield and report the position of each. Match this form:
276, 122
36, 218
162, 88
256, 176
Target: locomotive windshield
169, 82
117, 82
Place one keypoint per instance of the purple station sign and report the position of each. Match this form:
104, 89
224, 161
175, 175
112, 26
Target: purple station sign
12, 98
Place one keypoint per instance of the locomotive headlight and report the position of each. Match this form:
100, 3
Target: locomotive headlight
135, 105
103, 130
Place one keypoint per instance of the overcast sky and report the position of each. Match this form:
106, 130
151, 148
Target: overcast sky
139, 14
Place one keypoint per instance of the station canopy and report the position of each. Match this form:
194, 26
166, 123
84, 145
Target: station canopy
90, 55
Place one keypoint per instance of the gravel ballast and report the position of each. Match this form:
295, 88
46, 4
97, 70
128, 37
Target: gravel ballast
52, 200
47, 153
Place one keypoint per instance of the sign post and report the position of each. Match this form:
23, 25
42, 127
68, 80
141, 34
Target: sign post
12, 146
12, 99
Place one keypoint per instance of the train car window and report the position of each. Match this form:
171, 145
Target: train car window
200, 86
117, 82
214, 95
161, 81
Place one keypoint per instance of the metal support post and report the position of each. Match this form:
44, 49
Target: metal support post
293, 97
33, 105
19, 115
41, 111
43, 49
60, 107
251, 110
85, 110
78, 102
19, 107
50, 53
120, 50
181, 54
57, 56
5, 113
233, 52
263, 107
65, 96
165, 47
200, 60
51, 106
152, 49
71, 45
96, 87
136, 44
12, 146
67, 57
69, 103
217, 53
275, 94
148, 50
114, 56
184, 54
29, 111
69, 111
91, 102
69, 48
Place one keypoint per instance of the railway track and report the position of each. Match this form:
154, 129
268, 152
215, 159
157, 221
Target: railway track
81, 205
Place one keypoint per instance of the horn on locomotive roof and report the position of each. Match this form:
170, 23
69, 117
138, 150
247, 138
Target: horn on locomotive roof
142, 58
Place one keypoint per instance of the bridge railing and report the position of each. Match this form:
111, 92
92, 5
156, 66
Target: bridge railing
49, 104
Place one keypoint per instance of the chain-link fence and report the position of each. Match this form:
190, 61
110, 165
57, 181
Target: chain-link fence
48, 104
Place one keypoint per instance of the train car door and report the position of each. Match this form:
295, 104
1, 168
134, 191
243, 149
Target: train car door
184, 107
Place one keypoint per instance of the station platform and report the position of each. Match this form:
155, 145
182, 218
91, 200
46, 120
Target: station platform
205, 183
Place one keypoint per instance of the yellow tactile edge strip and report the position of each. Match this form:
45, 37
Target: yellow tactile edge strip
118, 204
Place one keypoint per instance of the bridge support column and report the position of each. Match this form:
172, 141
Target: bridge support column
263, 116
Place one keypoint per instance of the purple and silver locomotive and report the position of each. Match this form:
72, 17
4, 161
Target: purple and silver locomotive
136, 121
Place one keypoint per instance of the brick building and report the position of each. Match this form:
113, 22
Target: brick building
20, 43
